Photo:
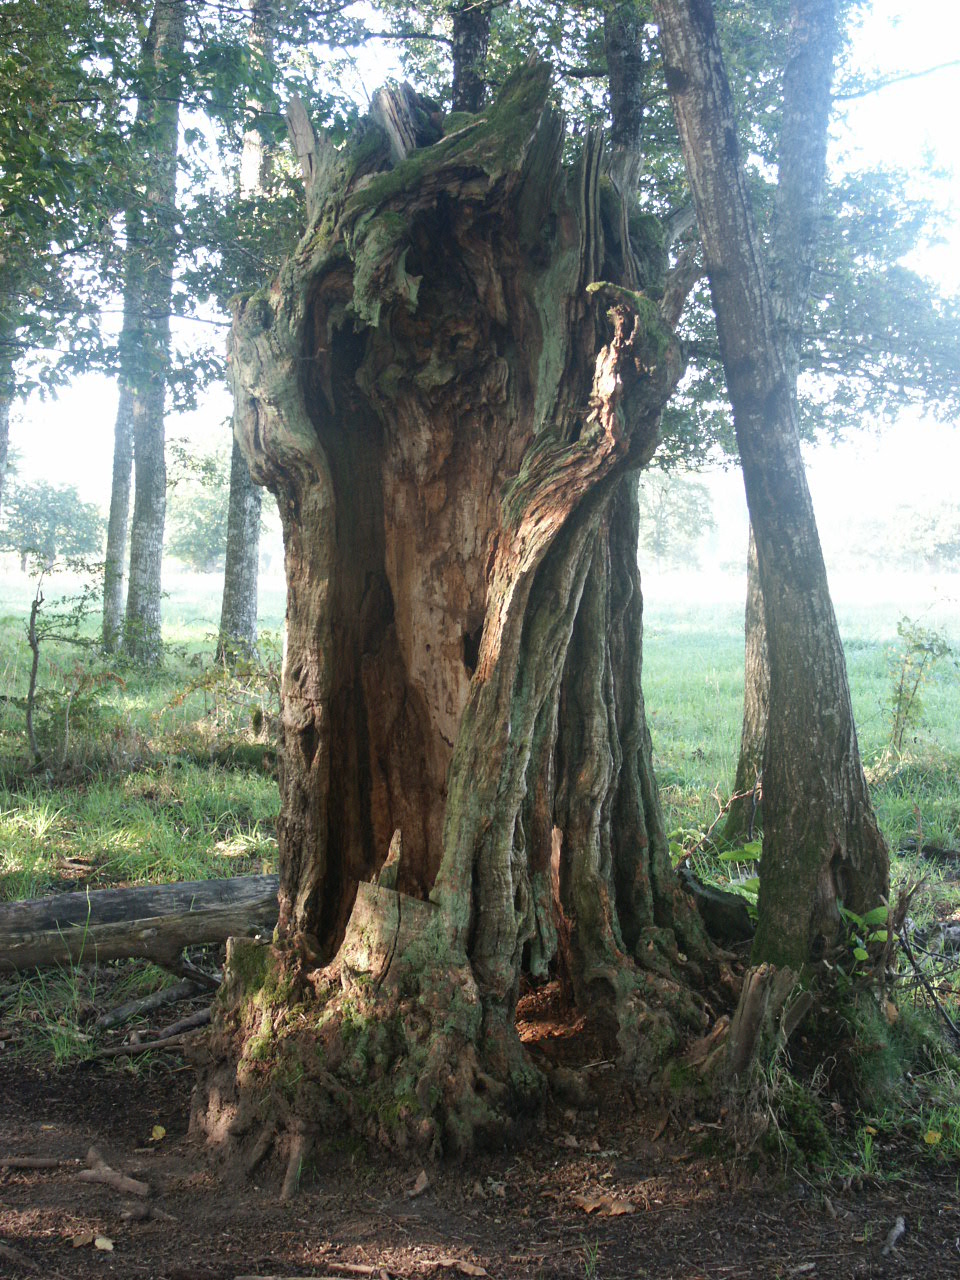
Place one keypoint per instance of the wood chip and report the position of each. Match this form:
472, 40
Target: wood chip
893, 1236
34, 1162
100, 1171
420, 1186
604, 1206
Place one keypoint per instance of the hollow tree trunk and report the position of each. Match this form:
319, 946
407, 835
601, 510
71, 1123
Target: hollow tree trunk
449, 393
744, 816
238, 612
822, 845
154, 240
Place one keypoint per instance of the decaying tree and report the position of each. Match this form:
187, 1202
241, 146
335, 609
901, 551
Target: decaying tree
449, 391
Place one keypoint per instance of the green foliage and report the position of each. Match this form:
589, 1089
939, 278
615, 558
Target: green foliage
47, 521
198, 519
912, 664
62, 82
675, 516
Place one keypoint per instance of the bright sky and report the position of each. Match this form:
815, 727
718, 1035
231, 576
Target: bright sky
70, 440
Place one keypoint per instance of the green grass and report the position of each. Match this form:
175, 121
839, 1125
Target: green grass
693, 685
149, 777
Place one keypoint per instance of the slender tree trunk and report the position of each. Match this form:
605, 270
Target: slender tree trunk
7, 387
455, 469
238, 614
155, 241
822, 845
801, 169
471, 37
6, 400
744, 817
114, 575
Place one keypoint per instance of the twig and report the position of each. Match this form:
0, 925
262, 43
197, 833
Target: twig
129, 1050
954, 1029
198, 1019
737, 795
34, 1162
185, 968
145, 1004
100, 1171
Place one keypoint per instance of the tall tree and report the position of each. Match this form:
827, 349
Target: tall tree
801, 169
238, 612
62, 80
151, 253
471, 37
822, 846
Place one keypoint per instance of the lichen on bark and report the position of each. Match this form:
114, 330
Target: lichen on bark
449, 389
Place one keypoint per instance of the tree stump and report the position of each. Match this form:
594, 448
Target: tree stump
450, 390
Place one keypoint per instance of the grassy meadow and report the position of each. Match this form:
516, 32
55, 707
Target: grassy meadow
172, 775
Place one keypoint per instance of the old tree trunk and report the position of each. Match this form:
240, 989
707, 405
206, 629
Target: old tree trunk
449, 393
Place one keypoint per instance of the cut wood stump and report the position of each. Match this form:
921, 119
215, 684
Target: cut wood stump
153, 921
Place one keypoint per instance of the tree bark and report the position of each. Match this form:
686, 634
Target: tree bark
238, 613
471, 38
6, 400
156, 921
822, 846
8, 382
801, 168
744, 818
454, 463
114, 571
154, 244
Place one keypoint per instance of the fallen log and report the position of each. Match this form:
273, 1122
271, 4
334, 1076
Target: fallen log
154, 921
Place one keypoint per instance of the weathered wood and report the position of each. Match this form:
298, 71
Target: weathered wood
156, 921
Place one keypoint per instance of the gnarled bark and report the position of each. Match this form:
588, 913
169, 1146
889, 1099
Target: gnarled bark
448, 390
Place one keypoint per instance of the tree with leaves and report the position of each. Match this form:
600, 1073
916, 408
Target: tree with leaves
61, 141
675, 514
48, 521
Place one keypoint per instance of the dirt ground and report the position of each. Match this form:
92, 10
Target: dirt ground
616, 1193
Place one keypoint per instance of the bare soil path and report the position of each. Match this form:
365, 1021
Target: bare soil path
607, 1195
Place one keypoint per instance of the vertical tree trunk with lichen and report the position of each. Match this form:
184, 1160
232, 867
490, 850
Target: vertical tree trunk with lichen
822, 846
152, 237
238, 610
449, 392
470, 40
812, 40
743, 817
